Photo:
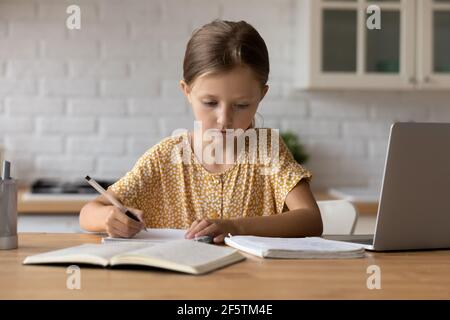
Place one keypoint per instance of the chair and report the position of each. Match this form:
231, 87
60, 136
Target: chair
339, 217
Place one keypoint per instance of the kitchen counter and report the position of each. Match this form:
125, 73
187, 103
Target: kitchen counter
73, 205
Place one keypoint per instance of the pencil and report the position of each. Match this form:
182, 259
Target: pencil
112, 200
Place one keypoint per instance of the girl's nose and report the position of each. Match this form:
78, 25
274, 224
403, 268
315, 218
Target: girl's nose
225, 117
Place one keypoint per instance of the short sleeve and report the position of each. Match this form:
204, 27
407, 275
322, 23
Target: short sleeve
288, 176
132, 188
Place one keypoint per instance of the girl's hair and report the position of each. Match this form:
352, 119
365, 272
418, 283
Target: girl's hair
220, 46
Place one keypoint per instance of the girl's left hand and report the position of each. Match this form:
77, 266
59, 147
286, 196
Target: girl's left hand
216, 228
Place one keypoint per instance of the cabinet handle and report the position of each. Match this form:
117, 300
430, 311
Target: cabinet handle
427, 79
412, 80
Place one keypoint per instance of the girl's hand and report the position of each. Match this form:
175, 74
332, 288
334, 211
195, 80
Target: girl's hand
216, 228
118, 225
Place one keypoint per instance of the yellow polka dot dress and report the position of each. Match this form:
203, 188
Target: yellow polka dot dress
173, 189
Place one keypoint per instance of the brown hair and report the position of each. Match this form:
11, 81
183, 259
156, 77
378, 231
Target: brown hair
220, 46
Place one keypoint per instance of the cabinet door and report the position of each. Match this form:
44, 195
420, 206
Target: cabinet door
382, 46
434, 44
339, 40
346, 54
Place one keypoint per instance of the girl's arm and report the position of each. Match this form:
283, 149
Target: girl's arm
303, 220
94, 214
100, 216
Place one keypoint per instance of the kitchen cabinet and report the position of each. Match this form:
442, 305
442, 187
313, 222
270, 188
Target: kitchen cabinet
336, 49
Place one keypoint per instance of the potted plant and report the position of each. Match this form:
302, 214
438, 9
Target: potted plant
297, 149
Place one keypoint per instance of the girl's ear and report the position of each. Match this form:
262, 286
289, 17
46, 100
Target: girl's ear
185, 88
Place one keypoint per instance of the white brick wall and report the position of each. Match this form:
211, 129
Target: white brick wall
35, 68
15, 125
96, 107
91, 101
37, 144
34, 106
68, 87
65, 125
17, 87
60, 165
17, 9
17, 48
96, 146
130, 125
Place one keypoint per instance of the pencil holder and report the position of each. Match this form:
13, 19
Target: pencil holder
8, 214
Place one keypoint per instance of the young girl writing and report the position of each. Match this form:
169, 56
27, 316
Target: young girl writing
226, 68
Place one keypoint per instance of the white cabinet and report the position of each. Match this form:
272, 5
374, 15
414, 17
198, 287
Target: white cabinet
433, 44
335, 49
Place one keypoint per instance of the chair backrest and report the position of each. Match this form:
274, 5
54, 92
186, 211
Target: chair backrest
338, 216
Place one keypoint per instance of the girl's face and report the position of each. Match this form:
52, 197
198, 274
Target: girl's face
226, 100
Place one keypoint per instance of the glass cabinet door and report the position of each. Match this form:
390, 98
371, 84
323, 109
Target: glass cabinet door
364, 57
339, 36
434, 44
383, 45
411, 49
339, 24
441, 36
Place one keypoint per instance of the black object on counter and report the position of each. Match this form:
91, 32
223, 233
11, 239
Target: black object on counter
53, 186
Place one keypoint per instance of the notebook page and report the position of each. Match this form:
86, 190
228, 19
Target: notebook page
183, 252
152, 235
82, 253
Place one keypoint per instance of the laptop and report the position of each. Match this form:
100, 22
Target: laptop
414, 203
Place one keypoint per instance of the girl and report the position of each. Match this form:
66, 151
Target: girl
226, 68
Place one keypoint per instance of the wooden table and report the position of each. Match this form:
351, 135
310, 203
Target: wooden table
404, 275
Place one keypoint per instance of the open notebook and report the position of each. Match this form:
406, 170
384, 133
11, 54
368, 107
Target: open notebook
295, 248
179, 255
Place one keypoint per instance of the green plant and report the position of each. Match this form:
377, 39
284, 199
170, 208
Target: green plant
297, 149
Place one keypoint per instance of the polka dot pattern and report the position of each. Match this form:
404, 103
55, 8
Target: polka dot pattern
173, 189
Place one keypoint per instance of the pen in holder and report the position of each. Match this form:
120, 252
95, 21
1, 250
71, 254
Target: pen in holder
8, 209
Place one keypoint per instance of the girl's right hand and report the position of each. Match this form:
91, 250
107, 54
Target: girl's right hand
118, 225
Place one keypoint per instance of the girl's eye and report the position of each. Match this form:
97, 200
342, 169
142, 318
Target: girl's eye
213, 103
